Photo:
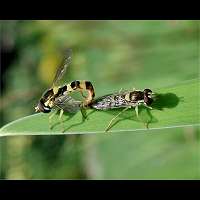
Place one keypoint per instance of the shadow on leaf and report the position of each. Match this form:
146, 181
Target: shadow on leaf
70, 116
168, 100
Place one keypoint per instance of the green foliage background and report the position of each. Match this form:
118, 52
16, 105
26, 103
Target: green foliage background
113, 55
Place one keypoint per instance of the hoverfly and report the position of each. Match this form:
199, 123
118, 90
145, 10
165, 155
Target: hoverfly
57, 97
123, 99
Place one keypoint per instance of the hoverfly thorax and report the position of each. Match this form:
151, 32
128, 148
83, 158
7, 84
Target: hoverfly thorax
136, 95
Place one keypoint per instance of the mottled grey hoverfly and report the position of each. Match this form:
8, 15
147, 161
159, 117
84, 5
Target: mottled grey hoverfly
57, 97
123, 99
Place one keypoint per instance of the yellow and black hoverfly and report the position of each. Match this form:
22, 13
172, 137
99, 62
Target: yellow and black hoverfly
57, 97
123, 99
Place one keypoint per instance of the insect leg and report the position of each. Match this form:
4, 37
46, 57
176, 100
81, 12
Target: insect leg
120, 90
136, 107
83, 112
111, 121
148, 106
136, 110
61, 120
60, 116
50, 117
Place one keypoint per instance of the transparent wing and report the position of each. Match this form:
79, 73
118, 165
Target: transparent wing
68, 104
62, 69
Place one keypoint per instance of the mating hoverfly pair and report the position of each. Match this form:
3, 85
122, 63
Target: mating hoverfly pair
58, 97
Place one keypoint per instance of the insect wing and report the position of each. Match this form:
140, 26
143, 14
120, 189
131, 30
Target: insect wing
67, 103
62, 69
115, 100
105, 102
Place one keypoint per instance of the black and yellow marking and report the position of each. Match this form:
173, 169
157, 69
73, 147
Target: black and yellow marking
48, 98
82, 86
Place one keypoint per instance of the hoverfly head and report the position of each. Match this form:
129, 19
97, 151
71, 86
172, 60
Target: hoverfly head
43, 104
148, 98
41, 107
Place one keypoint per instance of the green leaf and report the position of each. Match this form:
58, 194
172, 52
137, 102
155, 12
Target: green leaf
175, 106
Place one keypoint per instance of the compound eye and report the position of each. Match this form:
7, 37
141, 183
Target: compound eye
42, 108
147, 91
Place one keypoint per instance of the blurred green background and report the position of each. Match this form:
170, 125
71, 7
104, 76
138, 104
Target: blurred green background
113, 55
